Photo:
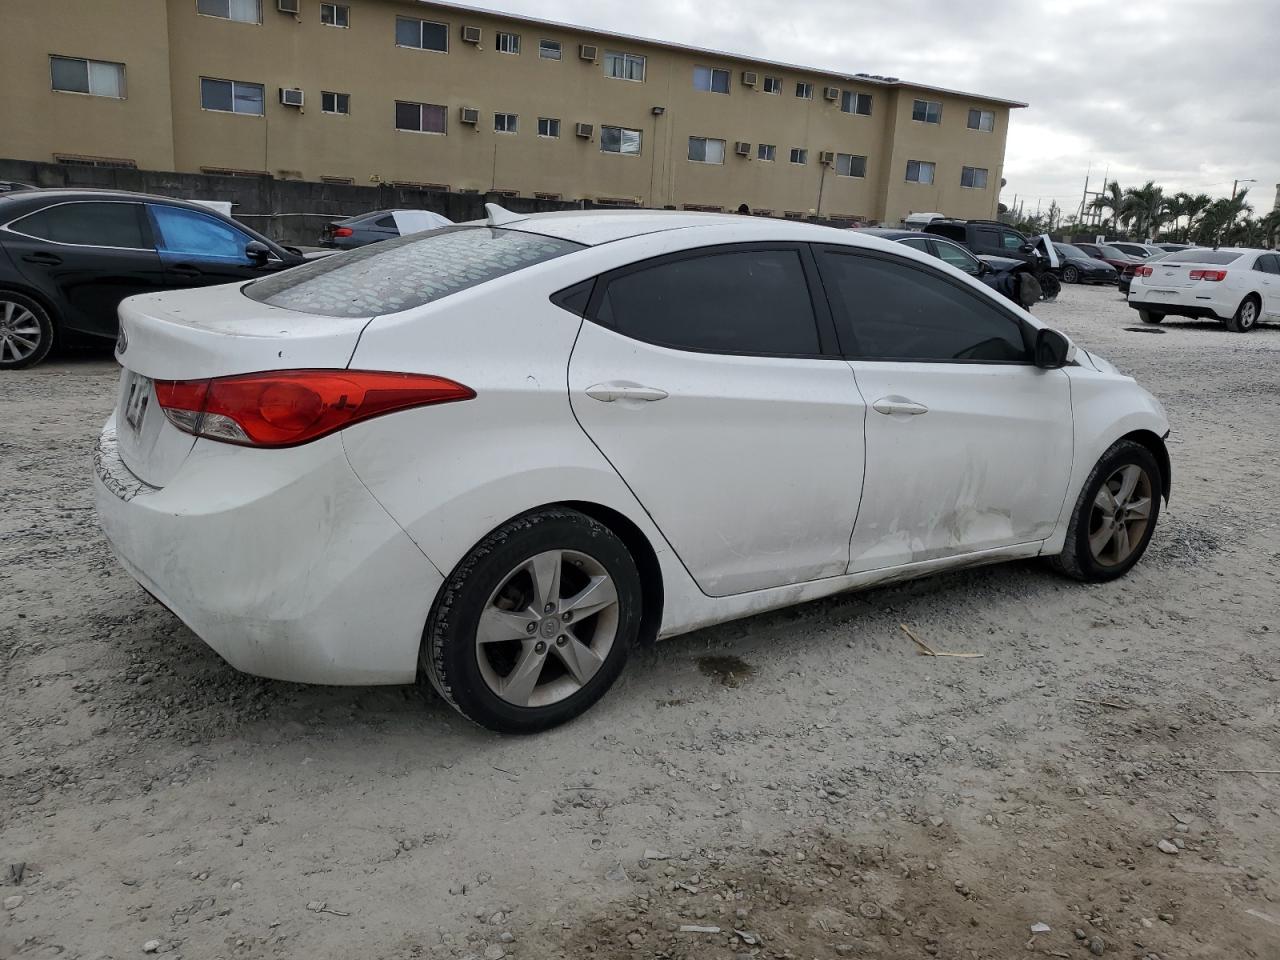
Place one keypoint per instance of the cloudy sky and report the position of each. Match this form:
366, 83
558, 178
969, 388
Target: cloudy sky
1183, 92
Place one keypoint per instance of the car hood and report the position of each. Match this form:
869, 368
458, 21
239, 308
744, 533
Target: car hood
1088, 263
1000, 264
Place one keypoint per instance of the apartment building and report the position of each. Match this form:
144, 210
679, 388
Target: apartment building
439, 94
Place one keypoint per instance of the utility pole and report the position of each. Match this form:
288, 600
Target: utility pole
1236, 183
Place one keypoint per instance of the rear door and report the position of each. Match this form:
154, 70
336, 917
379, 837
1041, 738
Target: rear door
710, 379
1267, 272
968, 444
86, 256
199, 249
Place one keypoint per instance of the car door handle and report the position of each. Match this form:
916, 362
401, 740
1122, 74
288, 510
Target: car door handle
48, 259
892, 405
624, 390
184, 270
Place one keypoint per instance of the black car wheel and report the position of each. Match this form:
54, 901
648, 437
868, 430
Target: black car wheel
26, 331
1050, 286
1070, 274
1246, 318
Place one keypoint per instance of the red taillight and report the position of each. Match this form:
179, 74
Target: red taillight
1142, 271
343, 232
284, 408
1211, 275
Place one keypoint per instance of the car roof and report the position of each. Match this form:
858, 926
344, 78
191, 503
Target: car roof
895, 233
51, 195
594, 227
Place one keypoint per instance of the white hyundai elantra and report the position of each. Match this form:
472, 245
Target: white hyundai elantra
498, 455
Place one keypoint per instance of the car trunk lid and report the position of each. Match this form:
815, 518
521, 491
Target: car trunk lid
202, 334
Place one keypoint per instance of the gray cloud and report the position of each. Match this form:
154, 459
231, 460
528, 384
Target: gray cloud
1179, 91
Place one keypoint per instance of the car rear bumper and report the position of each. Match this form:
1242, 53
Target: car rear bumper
280, 560
1184, 302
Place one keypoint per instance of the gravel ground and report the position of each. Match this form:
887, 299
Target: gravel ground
798, 785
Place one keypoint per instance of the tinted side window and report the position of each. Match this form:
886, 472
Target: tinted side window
189, 233
1011, 241
94, 224
386, 223
988, 238
960, 259
951, 231
748, 301
899, 312
917, 243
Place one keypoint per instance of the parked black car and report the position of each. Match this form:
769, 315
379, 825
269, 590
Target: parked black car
379, 225
993, 238
68, 257
1079, 266
1013, 279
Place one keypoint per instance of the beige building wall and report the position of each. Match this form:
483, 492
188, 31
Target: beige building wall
168, 47
38, 123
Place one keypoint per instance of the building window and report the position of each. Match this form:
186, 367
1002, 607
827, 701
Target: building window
984, 120
505, 122
243, 11
926, 111
422, 34
919, 171
98, 78
804, 90
859, 103
705, 150
507, 42
799, 155
549, 49
339, 181
421, 117
620, 140
772, 84
975, 177
232, 96
335, 102
546, 196
710, 80
75, 160
850, 165
766, 151
335, 15
623, 66
419, 185
548, 127
230, 172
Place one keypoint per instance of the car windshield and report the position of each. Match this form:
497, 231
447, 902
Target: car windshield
1113, 253
406, 272
1202, 256
1067, 250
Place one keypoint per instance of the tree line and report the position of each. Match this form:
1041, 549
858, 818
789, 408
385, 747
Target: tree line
1147, 211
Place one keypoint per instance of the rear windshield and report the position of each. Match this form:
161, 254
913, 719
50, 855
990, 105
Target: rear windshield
1202, 256
406, 272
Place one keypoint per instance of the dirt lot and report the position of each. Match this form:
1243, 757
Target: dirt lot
802, 781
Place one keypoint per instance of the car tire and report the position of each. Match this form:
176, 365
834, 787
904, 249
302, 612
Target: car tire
1246, 315
566, 590
1050, 285
1108, 533
26, 331
1070, 275
1148, 316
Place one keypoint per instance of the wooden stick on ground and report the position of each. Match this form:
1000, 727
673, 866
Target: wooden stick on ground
1104, 703
928, 651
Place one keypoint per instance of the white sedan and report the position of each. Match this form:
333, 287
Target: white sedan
497, 456
1235, 286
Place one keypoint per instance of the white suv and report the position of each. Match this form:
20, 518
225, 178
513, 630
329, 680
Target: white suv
1238, 287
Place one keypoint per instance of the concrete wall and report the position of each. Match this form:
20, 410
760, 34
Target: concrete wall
163, 126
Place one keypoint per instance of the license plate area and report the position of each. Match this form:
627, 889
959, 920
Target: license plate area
138, 395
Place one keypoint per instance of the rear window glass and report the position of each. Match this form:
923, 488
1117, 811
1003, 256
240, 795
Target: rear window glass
406, 272
1202, 256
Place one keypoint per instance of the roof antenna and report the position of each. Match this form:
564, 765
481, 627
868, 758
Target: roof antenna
500, 216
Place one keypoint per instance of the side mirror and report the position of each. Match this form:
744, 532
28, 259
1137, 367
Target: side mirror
1053, 350
257, 252
1028, 248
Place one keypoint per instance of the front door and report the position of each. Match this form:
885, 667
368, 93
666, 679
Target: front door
86, 256
711, 382
969, 444
199, 250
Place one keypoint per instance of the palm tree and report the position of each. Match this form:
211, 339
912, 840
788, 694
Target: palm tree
1178, 209
1271, 228
1147, 207
1111, 198
1193, 208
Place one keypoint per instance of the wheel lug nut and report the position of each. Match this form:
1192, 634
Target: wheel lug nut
549, 608
539, 647
561, 640
530, 628
567, 616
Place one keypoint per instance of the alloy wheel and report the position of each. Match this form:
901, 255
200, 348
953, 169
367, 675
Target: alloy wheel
547, 629
1248, 314
1121, 512
19, 332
